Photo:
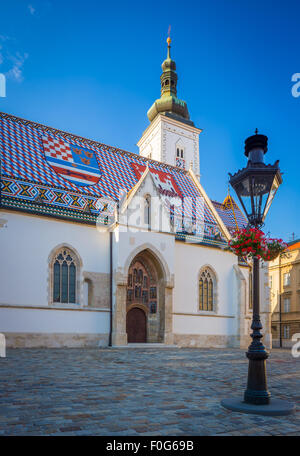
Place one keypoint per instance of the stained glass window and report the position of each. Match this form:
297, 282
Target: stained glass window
153, 307
201, 293
64, 278
206, 291
205, 295
145, 296
72, 283
140, 279
143, 288
56, 287
64, 282
153, 293
210, 295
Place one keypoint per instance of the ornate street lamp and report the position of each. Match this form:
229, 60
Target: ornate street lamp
256, 184
255, 187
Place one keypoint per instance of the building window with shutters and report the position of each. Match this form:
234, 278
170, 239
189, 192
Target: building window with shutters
286, 279
207, 290
271, 281
64, 267
287, 304
286, 332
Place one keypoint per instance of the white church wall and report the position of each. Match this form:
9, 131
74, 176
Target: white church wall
47, 327
14, 320
128, 244
192, 326
25, 246
26, 318
196, 324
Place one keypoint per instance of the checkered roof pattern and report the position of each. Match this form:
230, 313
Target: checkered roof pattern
23, 158
227, 216
57, 149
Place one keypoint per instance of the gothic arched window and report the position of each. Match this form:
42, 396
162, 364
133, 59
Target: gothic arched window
64, 277
207, 290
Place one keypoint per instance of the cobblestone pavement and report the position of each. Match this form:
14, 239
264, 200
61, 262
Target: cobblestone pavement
138, 392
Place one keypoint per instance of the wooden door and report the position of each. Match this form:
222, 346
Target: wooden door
136, 326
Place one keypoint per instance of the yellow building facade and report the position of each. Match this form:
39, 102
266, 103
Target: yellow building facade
284, 283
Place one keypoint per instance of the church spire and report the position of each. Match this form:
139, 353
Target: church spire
168, 103
169, 47
168, 79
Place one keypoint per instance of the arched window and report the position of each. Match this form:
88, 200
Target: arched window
147, 211
64, 269
207, 290
180, 155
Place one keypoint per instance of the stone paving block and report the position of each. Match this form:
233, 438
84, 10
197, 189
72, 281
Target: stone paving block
138, 392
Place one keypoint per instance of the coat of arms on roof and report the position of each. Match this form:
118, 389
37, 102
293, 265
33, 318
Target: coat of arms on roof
72, 162
164, 181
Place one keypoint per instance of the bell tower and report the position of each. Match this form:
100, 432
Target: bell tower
171, 136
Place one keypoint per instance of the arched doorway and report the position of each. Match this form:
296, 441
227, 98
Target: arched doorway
145, 300
160, 323
136, 325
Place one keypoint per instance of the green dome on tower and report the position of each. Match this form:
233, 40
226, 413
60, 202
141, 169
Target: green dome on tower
168, 103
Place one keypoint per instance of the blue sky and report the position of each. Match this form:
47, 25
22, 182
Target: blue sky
93, 68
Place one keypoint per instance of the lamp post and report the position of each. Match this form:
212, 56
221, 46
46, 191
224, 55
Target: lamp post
255, 186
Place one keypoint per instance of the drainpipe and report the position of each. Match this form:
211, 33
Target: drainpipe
110, 286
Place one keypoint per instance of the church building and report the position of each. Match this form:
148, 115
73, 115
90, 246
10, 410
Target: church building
104, 247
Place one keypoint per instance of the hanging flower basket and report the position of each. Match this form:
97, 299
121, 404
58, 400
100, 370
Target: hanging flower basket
274, 247
249, 243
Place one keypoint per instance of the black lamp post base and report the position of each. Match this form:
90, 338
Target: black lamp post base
276, 407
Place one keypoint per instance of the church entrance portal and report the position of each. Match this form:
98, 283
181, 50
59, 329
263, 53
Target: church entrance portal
145, 300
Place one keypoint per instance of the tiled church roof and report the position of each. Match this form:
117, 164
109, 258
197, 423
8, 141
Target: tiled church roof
230, 219
30, 182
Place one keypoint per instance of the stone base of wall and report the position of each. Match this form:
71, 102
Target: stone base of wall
55, 340
205, 341
243, 342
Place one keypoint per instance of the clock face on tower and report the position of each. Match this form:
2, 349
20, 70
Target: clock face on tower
180, 163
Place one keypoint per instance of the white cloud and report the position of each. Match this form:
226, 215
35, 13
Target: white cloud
4, 38
16, 71
11, 60
31, 9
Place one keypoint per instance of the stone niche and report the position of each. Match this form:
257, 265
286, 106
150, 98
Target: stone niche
96, 288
